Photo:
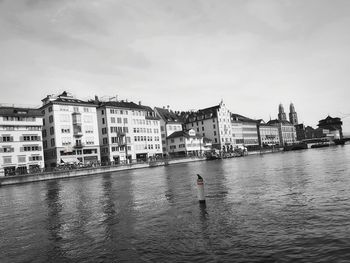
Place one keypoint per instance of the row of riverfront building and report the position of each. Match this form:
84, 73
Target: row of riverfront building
67, 130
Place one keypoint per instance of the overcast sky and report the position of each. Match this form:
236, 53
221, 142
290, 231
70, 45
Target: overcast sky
187, 54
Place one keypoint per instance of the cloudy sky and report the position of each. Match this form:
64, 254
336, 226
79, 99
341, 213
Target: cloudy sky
188, 54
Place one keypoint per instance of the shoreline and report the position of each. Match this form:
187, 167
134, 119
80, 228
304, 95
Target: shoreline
29, 178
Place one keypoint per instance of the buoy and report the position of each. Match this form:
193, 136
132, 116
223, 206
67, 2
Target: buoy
200, 186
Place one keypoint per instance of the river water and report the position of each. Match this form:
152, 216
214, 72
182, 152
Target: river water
283, 207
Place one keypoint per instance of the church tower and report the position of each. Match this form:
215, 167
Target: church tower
281, 114
293, 117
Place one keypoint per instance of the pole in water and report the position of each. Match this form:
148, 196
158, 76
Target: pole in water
200, 186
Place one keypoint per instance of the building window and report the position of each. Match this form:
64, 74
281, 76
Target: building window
202, 128
7, 149
103, 120
112, 120
50, 118
52, 142
7, 139
65, 130
7, 159
22, 159
50, 108
52, 131
214, 126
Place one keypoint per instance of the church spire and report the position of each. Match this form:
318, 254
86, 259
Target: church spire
293, 116
281, 114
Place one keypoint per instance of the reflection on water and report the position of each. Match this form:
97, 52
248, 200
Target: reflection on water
282, 207
54, 221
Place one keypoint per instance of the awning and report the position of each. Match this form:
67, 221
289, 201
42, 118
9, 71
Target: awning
69, 159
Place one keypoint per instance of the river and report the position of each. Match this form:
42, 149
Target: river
283, 207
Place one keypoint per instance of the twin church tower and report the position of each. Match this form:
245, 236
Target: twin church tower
293, 117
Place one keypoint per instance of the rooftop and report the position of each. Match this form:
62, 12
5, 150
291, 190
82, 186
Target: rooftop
168, 115
20, 112
237, 117
65, 98
178, 134
276, 121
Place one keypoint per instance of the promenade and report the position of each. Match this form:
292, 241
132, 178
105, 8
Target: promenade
69, 173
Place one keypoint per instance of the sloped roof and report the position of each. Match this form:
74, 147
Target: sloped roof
122, 104
242, 118
65, 99
203, 113
276, 121
130, 106
178, 134
20, 112
168, 116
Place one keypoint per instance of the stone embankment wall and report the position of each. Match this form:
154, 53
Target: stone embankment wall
8, 180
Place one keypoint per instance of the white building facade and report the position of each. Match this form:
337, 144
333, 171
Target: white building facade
244, 131
268, 135
185, 143
169, 123
130, 132
213, 123
70, 131
286, 132
21, 149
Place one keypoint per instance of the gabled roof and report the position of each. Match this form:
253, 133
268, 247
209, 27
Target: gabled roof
178, 134
168, 116
20, 112
202, 114
237, 117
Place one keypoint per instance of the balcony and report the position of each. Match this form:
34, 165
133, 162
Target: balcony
76, 118
77, 130
79, 145
78, 134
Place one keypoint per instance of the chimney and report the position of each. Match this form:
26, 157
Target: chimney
163, 107
139, 102
168, 107
116, 97
96, 98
